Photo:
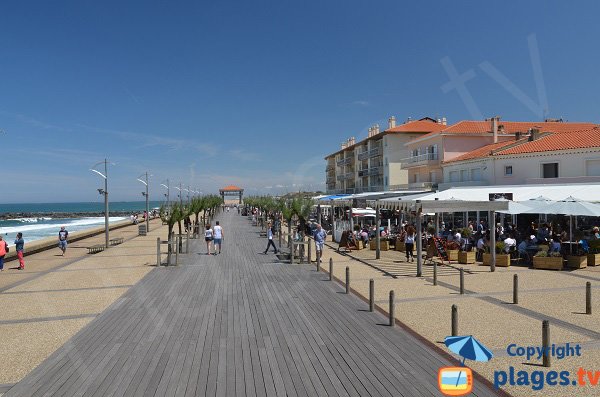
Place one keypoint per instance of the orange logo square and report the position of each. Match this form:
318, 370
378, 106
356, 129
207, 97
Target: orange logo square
455, 381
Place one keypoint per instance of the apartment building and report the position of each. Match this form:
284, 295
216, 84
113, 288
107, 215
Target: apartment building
375, 163
429, 153
539, 158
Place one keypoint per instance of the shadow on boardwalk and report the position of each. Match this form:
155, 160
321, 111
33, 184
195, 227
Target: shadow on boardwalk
238, 324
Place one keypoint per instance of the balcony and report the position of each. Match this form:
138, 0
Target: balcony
330, 167
347, 175
369, 171
345, 161
421, 160
363, 155
375, 152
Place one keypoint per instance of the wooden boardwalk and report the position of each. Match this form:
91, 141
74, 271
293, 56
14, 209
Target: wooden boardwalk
238, 324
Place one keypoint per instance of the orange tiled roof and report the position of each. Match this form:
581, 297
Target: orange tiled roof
231, 188
418, 126
568, 140
589, 138
483, 151
510, 127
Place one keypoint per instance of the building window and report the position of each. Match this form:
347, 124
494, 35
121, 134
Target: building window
415, 178
464, 175
592, 168
454, 176
384, 141
386, 181
476, 174
508, 170
550, 170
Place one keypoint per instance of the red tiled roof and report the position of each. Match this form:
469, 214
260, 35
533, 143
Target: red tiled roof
418, 126
510, 127
231, 188
585, 139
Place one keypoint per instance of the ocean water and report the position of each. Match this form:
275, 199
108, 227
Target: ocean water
39, 227
127, 206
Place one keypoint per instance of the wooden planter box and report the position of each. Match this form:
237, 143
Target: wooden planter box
453, 255
400, 245
576, 262
383, 245
547, 262
466, 257
502, 260
593, 259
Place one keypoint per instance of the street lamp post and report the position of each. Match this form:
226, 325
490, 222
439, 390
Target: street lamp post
105, 193
145, 194
168, 189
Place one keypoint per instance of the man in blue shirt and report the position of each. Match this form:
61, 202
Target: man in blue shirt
319, 235
19, 245
270, 238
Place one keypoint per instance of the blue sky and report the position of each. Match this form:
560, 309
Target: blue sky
255, 93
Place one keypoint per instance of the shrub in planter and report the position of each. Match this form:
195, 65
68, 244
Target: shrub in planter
546, 260
577, 261
502, 258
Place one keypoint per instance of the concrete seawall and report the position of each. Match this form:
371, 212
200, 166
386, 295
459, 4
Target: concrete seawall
52, 242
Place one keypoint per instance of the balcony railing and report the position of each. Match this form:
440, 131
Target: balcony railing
375, 152
369, 171
422, 159
363, 155
347, 160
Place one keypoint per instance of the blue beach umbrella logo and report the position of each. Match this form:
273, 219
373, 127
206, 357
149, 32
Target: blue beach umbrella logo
457, 381
468, 348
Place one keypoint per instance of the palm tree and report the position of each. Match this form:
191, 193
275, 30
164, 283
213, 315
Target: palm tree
171, 215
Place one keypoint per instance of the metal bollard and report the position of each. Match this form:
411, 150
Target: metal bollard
347, 280
392, 316
588, 298
462, 281
158, 251
546, 343
330, 269
435, 274
454, 320
516, 289
371, 295
177, 250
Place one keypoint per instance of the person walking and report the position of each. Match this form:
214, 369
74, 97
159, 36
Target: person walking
409, 241
3, 252
319, 235
208, 237
63, 235
19, 245
270, 240
218, 232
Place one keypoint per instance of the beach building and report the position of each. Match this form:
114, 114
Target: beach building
537, 158
430, 152
375, 163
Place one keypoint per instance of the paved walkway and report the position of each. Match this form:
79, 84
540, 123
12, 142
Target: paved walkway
238, 324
